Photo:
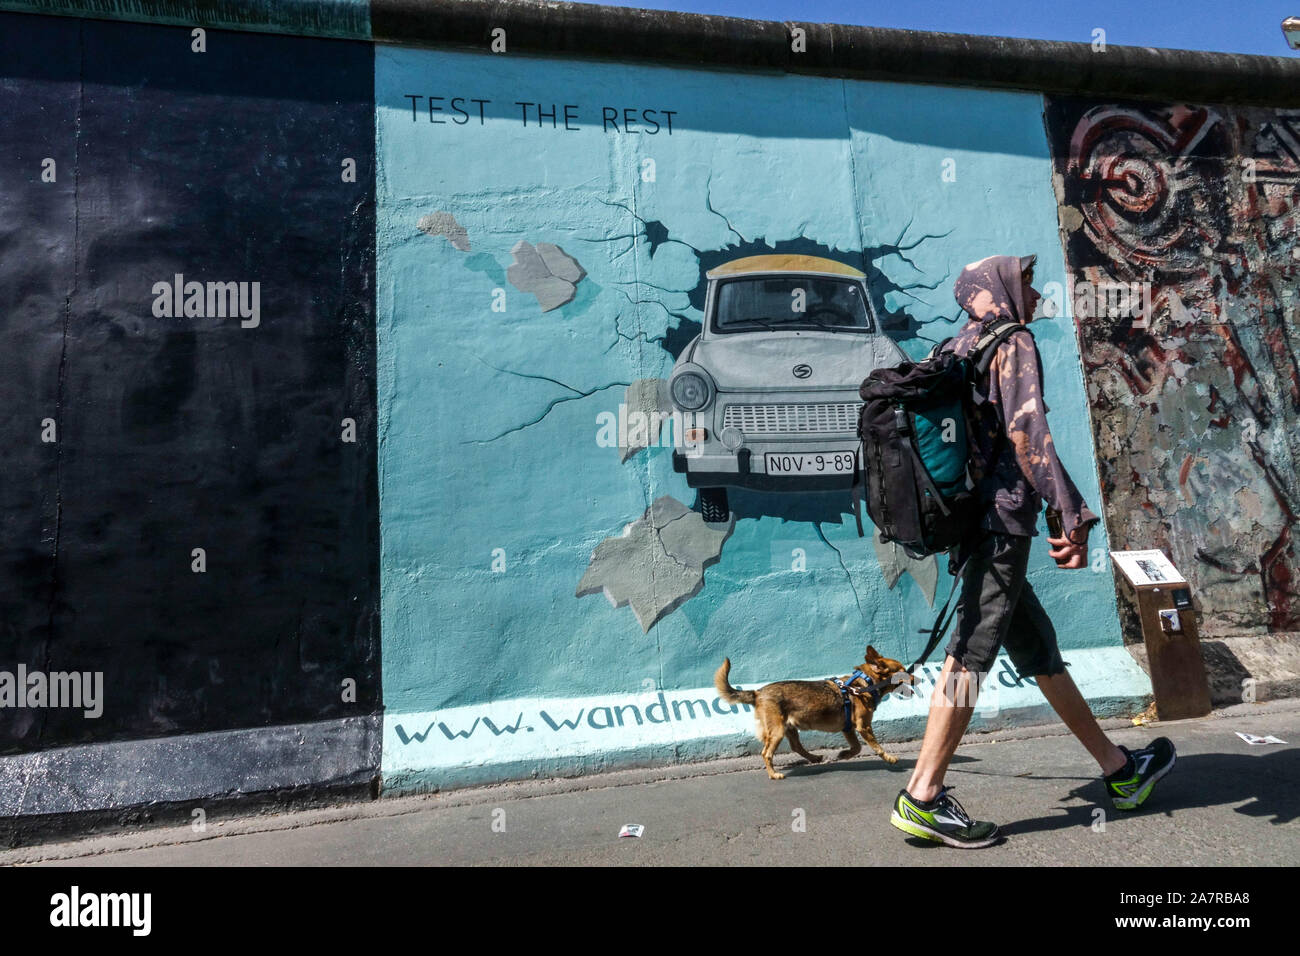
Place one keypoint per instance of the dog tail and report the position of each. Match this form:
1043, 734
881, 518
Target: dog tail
726, 691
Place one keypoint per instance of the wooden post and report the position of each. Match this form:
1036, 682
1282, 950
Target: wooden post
1171, 635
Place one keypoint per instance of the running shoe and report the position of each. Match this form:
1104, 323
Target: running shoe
941, 819
1133, 783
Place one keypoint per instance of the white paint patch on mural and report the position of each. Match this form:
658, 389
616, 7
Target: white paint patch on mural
639, 422
545, 271
444, 224
657, 562
895, 562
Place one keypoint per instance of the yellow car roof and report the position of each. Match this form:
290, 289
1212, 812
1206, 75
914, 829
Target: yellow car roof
783, 263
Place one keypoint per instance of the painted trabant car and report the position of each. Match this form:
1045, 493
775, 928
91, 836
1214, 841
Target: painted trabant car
768, 391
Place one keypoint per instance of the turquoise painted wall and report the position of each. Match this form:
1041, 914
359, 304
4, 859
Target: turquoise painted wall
494, 488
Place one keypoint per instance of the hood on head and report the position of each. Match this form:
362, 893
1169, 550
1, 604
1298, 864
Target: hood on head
991, 288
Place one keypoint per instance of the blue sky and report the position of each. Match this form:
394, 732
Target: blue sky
1235, 26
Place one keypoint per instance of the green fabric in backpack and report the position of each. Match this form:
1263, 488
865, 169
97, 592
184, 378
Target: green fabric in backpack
944, 460
919, 488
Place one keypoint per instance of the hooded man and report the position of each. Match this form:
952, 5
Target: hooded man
1017, 468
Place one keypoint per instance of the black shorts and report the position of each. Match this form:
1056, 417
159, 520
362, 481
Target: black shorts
998, 607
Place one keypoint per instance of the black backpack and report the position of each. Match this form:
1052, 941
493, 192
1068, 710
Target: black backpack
914, 463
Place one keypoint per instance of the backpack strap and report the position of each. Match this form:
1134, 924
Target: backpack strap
856, 491
986, 346
943, 619
938, 347
903, 425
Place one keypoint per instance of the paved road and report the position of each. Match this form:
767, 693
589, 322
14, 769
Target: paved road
1226, 803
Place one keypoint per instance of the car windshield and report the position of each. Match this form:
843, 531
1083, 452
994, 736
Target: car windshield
790, 302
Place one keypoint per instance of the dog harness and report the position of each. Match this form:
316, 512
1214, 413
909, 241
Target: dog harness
848, 692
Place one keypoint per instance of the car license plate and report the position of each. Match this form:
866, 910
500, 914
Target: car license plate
818, 463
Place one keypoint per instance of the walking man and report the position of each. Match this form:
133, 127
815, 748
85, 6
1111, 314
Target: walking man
1018, 469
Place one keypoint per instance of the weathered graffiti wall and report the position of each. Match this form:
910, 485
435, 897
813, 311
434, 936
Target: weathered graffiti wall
553, 595
1195, 394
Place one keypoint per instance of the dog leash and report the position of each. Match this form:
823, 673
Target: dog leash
936, 635
942, 621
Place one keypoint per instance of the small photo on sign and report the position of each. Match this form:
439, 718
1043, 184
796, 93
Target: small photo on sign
1151, 571
1147, 567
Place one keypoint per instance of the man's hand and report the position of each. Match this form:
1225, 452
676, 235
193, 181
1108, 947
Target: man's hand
1069, 554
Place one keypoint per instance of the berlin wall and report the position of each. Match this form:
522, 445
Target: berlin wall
341, 340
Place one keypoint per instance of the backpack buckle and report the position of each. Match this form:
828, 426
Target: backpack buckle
901, 422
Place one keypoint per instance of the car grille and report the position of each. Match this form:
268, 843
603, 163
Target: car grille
823, 418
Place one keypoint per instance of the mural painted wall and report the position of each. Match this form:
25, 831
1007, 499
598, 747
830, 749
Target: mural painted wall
1195, 392
186, 307
258, 297
559, 582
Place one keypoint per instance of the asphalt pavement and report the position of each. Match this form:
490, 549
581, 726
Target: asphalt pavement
1225, 803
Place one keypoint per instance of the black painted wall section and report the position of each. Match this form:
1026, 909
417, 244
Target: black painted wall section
177, 433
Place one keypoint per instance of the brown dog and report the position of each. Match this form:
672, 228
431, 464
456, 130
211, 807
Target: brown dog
786, 707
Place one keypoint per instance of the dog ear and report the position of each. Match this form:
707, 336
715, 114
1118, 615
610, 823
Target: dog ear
871, 653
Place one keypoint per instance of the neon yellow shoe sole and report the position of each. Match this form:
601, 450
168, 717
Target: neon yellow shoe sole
947, 823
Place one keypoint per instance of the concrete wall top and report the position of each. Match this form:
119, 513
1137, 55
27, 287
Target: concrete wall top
347, 19
623, 34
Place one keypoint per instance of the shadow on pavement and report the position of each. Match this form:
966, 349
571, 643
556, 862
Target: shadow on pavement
1270, 782
864, 761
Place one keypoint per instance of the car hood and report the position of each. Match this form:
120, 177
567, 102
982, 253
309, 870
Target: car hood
768, 359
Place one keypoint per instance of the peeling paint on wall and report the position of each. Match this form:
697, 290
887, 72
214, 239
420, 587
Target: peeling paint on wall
657, 562
1196, 405
545, 271
444, 224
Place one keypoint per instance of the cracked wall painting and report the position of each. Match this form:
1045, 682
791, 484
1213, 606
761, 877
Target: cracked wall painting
546, 235
1196, 407
186, 431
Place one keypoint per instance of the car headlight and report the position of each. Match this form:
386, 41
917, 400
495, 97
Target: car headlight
691, 390
732, 438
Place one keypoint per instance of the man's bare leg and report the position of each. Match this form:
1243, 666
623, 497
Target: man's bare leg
1062, 693
950, 712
